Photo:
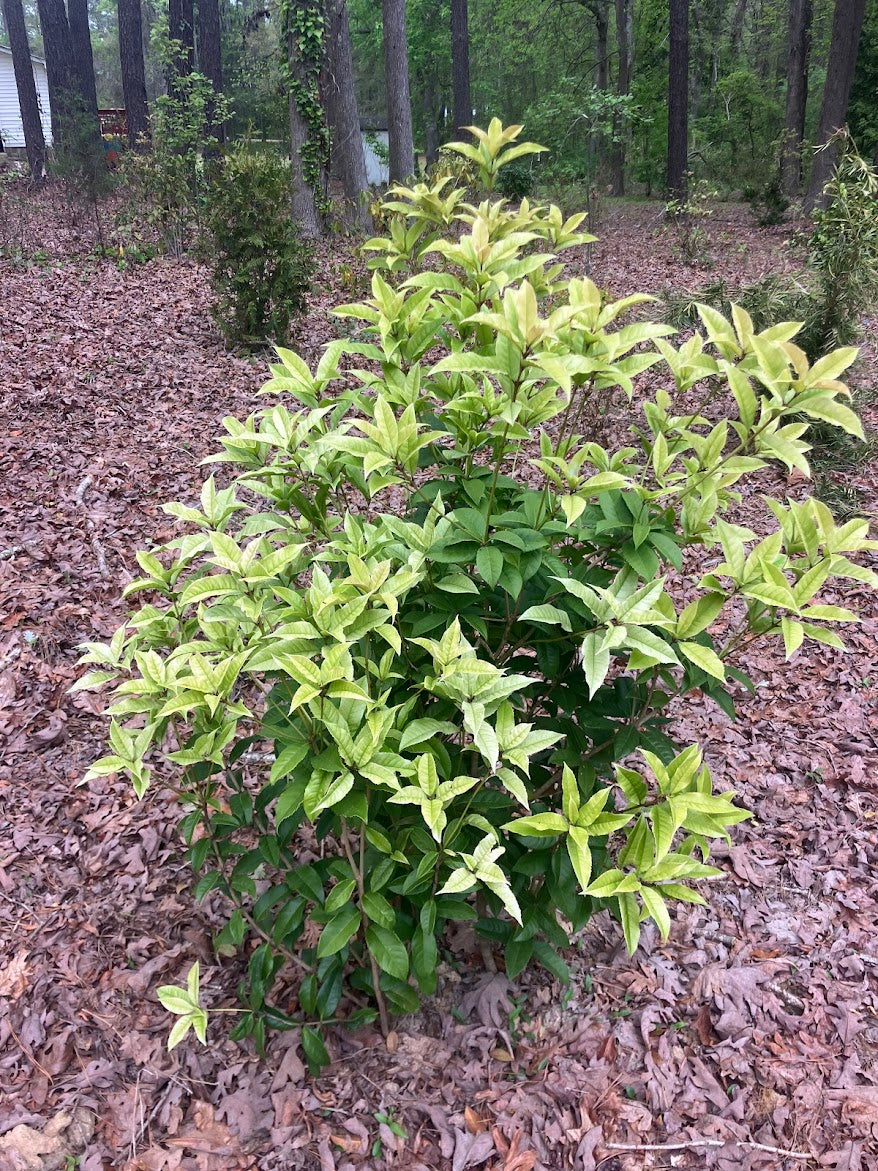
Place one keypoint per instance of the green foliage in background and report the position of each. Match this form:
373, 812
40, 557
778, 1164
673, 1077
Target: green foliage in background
261, 266
457, 621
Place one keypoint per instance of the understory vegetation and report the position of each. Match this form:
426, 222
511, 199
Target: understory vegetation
456, 620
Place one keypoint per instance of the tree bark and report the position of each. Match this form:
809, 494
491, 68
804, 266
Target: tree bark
431, 120
133, 71
59, 66
462, 98
678, 99
34, 141
396, 84
343, 116
624, 39
737, 32
800, 17
181, 30
304, 204
847, 24
83, 60
210, 61
601, 11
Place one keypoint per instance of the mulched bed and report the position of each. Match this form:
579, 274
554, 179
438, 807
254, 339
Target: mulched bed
749, 1040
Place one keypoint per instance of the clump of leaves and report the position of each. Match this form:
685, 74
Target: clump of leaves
261, 266
463, 685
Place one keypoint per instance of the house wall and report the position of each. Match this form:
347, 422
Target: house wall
11, 129
377, 172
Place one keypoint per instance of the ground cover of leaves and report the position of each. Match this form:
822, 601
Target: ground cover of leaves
752, 1032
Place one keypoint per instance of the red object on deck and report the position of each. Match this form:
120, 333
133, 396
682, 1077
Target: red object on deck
114, 122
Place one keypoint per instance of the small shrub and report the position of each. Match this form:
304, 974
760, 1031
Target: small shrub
168, 182
464, 681
843, 254
688, 216
262, 267
770, 204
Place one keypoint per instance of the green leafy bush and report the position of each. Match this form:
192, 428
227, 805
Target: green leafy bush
168, 182
458, 622
769, 202
261, 266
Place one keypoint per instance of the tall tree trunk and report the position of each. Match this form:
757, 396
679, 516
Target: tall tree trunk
624, 38
847, 24
396, 85
800, 16
133, 72
210, 61
304, 203
181, 31
601, 12
83, 61
343, 115
431, 119
32, 125
63, 89
737, 32
678, 99
463, 103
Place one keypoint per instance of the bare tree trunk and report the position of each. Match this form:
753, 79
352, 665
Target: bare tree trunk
34, 141
678, 99
396, 84
133, 72
181, 30
800, 16
463, 103
601, 12
63, 86
847, 24
431, 116
624, 37
343, 116
83, 60
210, 61
738, 21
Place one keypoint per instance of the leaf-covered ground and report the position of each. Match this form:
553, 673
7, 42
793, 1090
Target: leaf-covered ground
749, 1040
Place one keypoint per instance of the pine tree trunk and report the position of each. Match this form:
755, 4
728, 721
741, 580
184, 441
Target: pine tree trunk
34, 141
847, 24
181, 30
431, 119
133, 71
800, 16
59, 66
624, 38
678, 99
343, 116
463, 104
396, 84
83, 60
210, 61
601, 12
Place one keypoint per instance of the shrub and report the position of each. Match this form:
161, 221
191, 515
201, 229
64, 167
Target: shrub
261, 266
168, 182
769, 203
458, 622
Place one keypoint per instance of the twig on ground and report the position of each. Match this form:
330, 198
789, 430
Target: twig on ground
12, 551
692, 1144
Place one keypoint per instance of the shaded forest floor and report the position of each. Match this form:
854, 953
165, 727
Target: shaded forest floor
751, 1033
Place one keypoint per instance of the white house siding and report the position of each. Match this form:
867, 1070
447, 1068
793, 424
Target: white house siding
11, 129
